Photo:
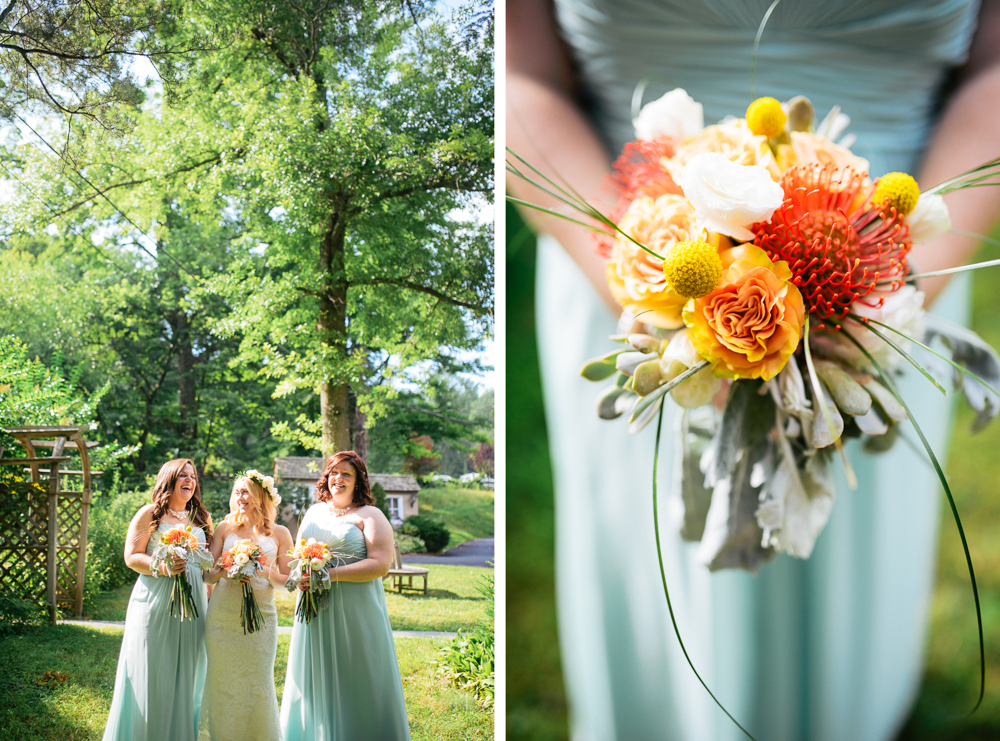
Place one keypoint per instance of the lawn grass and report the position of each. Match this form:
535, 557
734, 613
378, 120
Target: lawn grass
452, 603
74, 707
951, 681
467, 513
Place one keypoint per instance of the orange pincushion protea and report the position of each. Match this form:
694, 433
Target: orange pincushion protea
183, 538
835, 243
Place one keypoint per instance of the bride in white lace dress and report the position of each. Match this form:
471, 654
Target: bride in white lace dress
239, 703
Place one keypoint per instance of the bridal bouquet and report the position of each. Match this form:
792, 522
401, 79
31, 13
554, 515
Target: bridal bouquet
766, 288
244, 559
762, 269
308, 564
181, 541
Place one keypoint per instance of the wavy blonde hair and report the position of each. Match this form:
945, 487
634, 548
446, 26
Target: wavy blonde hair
263, 512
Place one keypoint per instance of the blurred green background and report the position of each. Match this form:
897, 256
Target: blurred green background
536, 705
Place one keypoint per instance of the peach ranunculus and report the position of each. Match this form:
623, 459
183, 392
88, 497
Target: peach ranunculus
733, 140
751, 324
807, 148
634, 276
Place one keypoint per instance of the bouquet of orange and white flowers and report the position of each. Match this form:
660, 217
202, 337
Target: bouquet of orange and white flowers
309, 564
759, 253
243, 560
181, 541
759, 250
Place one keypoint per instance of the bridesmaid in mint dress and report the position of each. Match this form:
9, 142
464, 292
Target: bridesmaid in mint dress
343, 682
825, 649
161, 666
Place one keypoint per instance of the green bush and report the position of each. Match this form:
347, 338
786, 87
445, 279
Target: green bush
107, 527
467, 661
18, 615
433, 533
378, 494
410, 543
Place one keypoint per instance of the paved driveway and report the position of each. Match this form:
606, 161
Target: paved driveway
470, 553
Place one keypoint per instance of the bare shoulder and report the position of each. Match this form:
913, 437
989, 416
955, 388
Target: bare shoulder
144, 516
370, 512
221, 529
282, 534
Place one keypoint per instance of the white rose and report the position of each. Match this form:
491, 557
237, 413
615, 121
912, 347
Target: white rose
678, 357
269, 483
928, 219
241, 559
676, 115
728, 197
316, 563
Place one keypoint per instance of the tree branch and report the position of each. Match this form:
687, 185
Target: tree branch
425, 289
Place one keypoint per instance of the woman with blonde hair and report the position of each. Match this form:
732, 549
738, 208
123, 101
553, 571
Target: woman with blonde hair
239, 701
161, 666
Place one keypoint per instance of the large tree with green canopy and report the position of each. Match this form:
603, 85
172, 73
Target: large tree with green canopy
350, 145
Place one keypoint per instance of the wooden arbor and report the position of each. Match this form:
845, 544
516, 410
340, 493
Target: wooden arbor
49, 535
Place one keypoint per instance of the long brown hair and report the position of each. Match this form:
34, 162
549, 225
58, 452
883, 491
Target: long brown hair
166, 479
362, 489
264, 512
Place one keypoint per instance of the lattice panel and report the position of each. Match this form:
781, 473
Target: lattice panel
66, 576
26, 522
70, 516
22, 572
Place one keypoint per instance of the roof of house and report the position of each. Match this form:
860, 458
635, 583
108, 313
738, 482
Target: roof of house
308, 469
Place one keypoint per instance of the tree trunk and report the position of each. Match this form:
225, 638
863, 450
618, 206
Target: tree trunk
187, 401
334, 398
359, 429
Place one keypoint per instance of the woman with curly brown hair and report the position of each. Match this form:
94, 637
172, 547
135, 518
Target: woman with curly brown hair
343, 679
161, 666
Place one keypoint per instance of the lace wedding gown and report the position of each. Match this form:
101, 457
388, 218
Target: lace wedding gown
239, 703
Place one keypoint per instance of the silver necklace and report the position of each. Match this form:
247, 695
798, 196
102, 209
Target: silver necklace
179, 514
338, 512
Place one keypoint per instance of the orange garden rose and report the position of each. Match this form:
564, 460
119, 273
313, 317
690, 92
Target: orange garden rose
635, 277
750, 325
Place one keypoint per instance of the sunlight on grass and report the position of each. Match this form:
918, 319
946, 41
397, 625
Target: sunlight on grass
468, 513
452, 602
74, 707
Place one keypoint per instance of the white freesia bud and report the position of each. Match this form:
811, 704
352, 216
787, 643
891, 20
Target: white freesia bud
678, 356
928, 219
728, 197
676, 115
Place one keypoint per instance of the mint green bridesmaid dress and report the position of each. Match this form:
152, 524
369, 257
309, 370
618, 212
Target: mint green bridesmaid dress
826, 649
161, 666
343, 682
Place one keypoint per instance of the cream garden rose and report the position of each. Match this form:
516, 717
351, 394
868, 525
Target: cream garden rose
729, 197
676, 115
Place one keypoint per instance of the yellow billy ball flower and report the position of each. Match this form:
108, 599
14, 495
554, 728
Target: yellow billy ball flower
901, 190
693, 268
765, 117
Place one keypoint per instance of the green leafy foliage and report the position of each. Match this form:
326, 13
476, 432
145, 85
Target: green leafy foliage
468, 660
434, 534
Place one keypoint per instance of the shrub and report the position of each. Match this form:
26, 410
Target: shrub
107, 527
467, 661
433, 533
18, 615
378, 494
410, 543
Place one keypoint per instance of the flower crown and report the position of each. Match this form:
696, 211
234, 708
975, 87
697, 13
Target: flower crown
266, 483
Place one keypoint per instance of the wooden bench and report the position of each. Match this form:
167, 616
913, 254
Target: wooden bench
398, 572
